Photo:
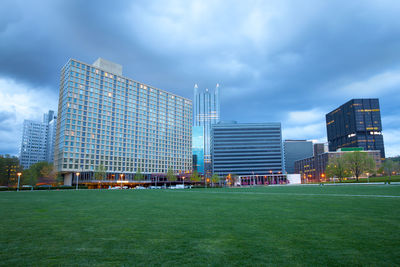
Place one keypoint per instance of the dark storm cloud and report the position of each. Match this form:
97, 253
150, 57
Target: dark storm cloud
275, 60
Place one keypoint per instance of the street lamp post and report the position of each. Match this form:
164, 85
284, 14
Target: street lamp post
183, 179
19, 176
77, 180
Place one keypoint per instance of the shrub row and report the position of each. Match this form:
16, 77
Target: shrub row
42, 188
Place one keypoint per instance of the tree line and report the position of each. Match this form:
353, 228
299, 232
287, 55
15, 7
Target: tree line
41, 172
356, 164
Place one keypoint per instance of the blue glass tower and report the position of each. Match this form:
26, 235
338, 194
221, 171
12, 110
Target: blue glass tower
206, 112
198, 148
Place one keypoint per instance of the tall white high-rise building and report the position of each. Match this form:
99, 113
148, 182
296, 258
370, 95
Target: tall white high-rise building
51, 139
206, 112
37, 140
110, 121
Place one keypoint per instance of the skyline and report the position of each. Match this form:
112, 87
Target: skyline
276, 62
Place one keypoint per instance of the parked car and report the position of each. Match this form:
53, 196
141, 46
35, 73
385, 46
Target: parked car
115, 187
178, 186
155, 187
140, 187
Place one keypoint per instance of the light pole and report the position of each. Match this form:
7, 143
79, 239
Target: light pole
77, 180
19, 176
183, 179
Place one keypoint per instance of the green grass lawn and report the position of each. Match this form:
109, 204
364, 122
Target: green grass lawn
296, 226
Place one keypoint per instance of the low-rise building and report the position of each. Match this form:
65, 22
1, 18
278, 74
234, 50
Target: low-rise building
313, 169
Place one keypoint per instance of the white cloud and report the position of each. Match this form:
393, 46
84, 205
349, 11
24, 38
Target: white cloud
305, 116
374, 86
206, 24
391, 139
391, 121
21, 102
315, 131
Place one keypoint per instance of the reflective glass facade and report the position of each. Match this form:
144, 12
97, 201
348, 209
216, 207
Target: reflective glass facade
206, 112
296, 150
124, 125
356, 123
247, 148
38, 140
198, 148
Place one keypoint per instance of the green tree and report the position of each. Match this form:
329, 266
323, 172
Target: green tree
40, 172
359, 163
170, 175
48, 174
9, 167
139, 175
195, 177
100, 172
215, 179
389, 166
337, 168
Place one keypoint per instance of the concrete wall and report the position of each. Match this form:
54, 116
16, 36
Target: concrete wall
294, 178
68, 179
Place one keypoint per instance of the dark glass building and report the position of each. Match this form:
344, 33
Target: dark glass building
246, 148
296, 150
356, 123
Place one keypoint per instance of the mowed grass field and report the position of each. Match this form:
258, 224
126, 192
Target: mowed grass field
282, 225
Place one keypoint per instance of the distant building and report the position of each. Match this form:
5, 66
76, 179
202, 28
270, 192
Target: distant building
198, 148
38, 140
313, 169
246, 148
296, 150
51, 139
356, 123
320, 148
206, 112
122, 125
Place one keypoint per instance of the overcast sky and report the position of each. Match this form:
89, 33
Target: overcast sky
285, 61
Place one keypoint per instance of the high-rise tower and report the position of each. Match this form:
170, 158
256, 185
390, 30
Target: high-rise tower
206, 112
109, 121
38, 140
356, 123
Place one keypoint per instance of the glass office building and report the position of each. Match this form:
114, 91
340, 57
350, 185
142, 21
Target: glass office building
356, 123
37, 142
296, 150
246, 148
198, 149
108, 120
206, 112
